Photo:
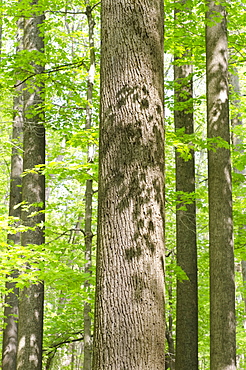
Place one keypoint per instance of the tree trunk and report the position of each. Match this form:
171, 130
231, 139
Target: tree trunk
244, 287
9, 347
187, 302
89, 193
238, 145
33, 193
187, 299
129, 316
222, 286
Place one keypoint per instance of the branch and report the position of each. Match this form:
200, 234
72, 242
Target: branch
65, 233
66, 341
61, 67
74, 13
94, 6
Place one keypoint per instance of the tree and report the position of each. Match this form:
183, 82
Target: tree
239, 179
10, 331
129, 318
221, 254
89, 192
187, 300
30, 330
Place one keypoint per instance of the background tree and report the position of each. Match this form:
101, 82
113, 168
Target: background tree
30, 329
89, 190
129, 317
222, 288
10, 330
186, 248
238, 184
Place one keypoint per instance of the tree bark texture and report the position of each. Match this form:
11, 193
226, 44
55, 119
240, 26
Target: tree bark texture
33, 194
129, 317
186, 248
10, 339
222, 285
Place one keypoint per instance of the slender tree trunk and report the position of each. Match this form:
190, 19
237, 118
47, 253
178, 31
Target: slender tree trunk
187, 295
129, 317
244, 286
238, 145
187, 301
89, 193
170, 355
238, 142
88, 254
30, 330
9, 347
222, 286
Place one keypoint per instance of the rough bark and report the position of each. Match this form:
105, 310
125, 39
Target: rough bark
9, 346
187, 300
129, 317
222, 286
30, 329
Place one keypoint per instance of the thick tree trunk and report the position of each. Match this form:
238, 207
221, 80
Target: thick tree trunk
222, 286
9, 346
129, 316
30, 329
187, 300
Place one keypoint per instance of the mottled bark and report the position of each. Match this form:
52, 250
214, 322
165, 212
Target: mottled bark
129, 317
30, 329
222, 285
187, 296
9, 346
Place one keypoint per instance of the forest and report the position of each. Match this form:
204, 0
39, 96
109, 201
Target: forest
122, 173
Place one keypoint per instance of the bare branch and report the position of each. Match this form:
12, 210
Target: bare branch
48, 71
